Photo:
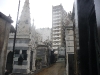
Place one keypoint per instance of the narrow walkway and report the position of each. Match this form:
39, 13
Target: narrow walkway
57, 69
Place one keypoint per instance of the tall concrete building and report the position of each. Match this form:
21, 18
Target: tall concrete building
24, 45
59, 16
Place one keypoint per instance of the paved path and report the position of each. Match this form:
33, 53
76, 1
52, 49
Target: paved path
56, 69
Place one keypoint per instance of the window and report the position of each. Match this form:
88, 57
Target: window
16, 55
17, 52
24, 53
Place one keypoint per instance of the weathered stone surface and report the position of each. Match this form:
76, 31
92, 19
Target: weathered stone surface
5, 24
56, 69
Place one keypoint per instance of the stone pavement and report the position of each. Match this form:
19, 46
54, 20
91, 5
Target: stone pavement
56, 69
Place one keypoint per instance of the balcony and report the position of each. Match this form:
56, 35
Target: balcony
56, 44
56, 29
54, 36
54, 19
56, 15
56, 12
57, 40
59, 32
56, 22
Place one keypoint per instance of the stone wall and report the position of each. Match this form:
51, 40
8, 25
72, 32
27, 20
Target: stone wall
4, 34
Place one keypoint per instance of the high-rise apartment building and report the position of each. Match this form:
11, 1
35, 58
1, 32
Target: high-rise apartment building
59, 16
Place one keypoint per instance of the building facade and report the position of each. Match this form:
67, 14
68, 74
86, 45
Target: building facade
25, 44
86, 20
58, 22
5, 26
43, 56
69, 38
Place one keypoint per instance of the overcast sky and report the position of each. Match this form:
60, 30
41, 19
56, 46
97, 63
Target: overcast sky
40, 10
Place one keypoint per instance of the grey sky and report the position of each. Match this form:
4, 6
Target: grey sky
41, 10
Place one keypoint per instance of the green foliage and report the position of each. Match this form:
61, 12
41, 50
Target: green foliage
38, 59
